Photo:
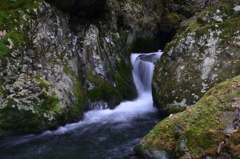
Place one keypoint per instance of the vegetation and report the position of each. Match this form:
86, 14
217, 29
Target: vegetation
13, 13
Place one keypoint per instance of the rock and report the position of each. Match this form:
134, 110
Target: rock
205, 130
168, 22
196, 58
39, 66
149, 58
82, 8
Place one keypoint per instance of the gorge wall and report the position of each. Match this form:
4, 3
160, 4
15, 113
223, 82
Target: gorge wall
58, 59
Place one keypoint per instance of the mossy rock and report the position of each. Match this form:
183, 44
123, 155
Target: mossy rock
11, 14
204, 130
106, 92
218, 12
15, 120
194, 60
188, 11
169, 22
124, 88
125, 84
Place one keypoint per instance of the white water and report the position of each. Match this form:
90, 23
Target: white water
143, 72
101, 134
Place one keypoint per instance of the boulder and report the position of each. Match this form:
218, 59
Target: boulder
209, 129
204, 52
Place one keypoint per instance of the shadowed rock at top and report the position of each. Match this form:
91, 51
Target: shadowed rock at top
82, 8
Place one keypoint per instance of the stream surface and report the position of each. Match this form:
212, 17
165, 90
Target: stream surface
102, 134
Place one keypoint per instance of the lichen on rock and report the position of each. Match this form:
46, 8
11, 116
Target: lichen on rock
36, 90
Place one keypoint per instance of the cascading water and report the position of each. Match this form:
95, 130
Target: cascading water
102, 134
143, 66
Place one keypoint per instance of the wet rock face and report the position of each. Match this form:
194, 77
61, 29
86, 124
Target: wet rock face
82, 8
202, 54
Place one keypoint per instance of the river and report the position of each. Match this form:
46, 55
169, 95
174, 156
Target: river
101, 134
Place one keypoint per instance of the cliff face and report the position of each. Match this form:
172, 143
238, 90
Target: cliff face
203, 52
58, 59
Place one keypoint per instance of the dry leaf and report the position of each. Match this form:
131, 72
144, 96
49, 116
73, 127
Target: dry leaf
220, 146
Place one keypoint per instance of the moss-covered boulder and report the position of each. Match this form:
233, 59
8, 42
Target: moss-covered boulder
210, 129
204, 51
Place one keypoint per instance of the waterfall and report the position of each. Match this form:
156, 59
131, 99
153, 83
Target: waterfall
143, 66
102, 133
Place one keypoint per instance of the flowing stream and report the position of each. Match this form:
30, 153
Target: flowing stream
102, 134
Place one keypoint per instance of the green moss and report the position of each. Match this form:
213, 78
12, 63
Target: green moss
3, 20
42, 83
121, 39
11, 17
200, 17
233, 144
188, 10
93, 77
229, 29
175, 109
125, 84
106, 92
170, 20
57, 109
4, 50
5, 5
78, 91
77, 110
200, 126
225, 8
49, 102
14, 121
194, 25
